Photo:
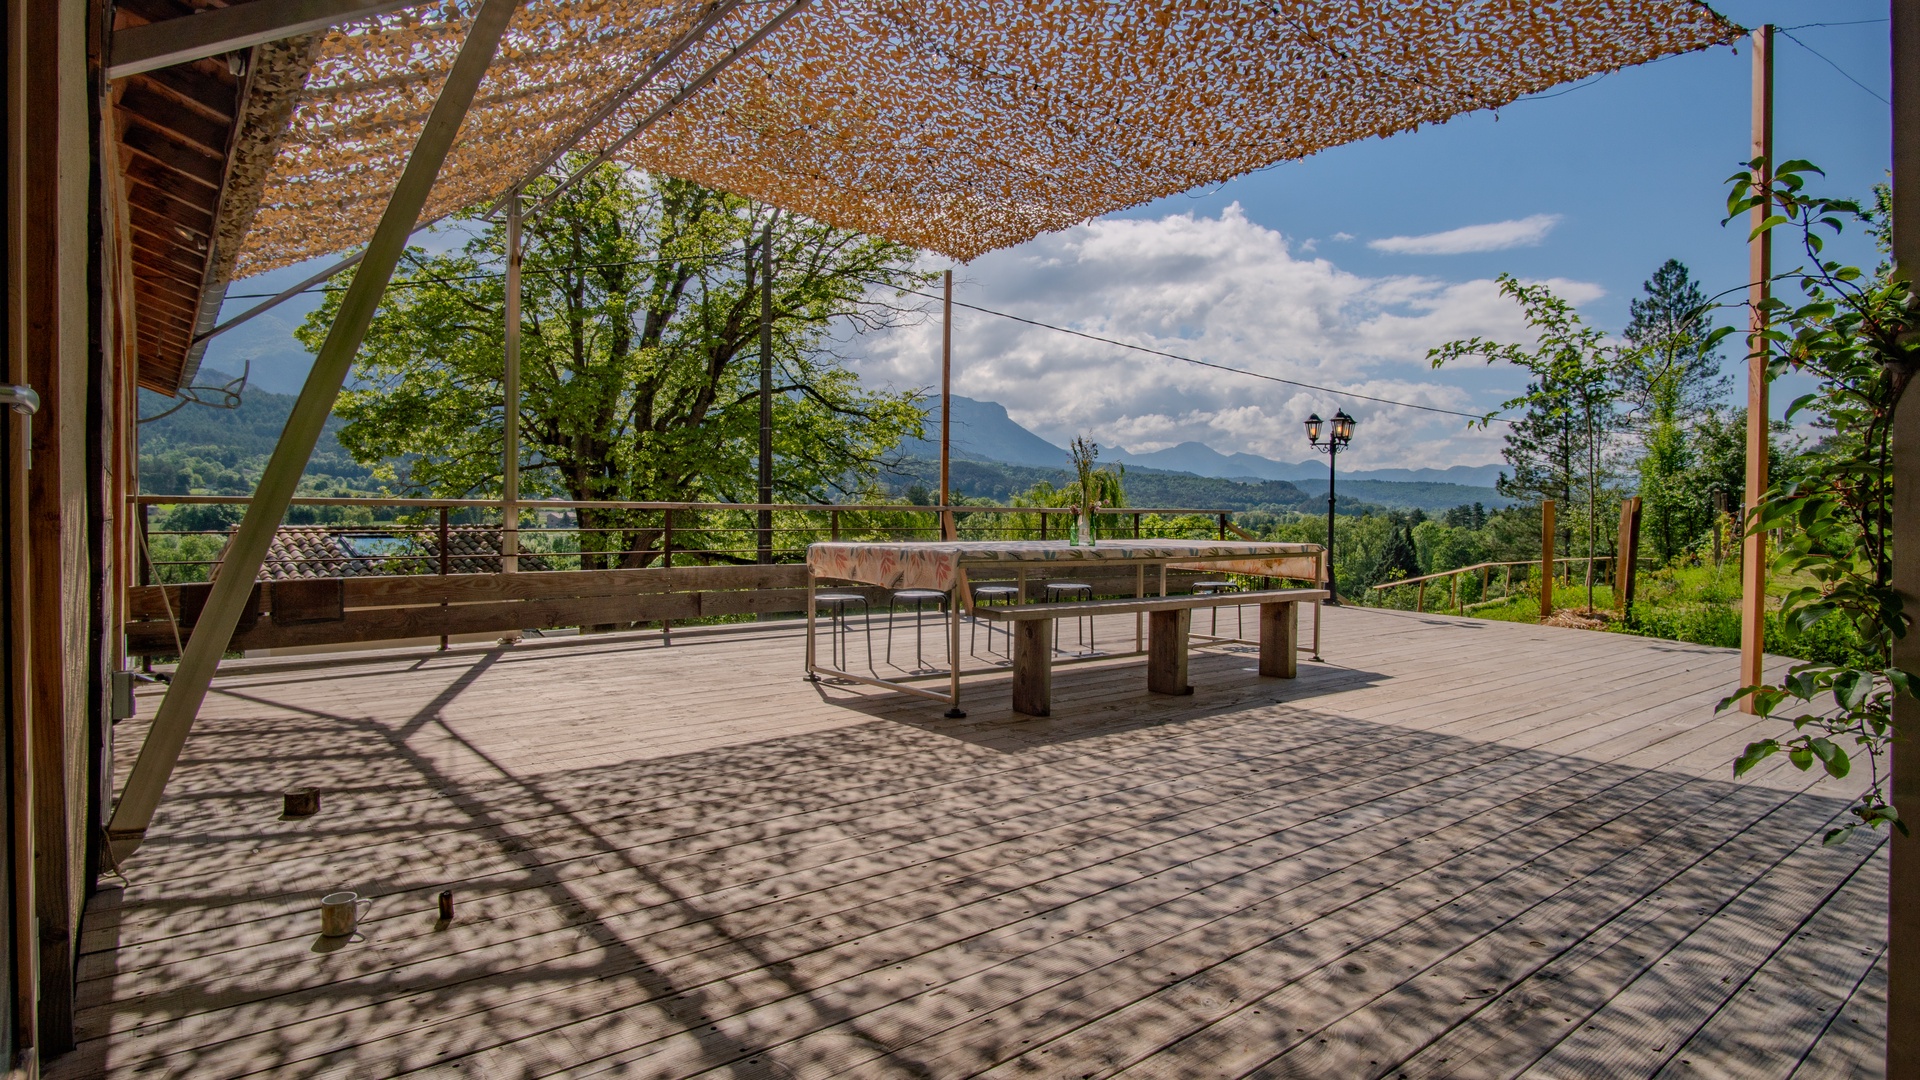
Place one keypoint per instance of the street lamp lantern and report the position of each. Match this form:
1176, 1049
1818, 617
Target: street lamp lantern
1338, 436
1342, 427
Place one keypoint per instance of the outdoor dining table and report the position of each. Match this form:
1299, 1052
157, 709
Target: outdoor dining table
944, 565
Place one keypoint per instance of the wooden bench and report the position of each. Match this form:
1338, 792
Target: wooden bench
1169, 622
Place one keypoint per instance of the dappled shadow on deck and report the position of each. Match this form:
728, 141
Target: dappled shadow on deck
1398, 865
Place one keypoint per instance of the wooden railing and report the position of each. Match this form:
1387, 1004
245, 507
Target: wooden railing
694, 568
1485, 570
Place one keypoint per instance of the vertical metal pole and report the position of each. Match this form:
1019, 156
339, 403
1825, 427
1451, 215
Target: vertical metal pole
666, 563
1903, 914
1333, 468
443, 564
248, 548
510, 452
766, 392
1753, 545
946, 408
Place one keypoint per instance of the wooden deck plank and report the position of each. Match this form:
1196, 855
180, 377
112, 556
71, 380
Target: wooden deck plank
682, 860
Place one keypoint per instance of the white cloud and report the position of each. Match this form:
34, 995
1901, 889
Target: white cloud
1342, 236
1494, 236
1224, 290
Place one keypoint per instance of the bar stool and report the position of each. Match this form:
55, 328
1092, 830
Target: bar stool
1056, 591
1214, 588
988, 595
836, 604
919, 598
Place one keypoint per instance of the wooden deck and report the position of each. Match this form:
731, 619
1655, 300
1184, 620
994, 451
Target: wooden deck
1455, 849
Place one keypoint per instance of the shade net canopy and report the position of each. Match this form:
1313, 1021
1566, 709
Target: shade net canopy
956, 126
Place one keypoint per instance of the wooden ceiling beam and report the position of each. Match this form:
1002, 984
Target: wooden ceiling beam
163, 258
214, 97
168, 230
168, 184
195, 219
145, 105
167, 42
191, 164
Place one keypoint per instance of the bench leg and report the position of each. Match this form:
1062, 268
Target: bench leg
1033, 666
1279, 639
1167, 651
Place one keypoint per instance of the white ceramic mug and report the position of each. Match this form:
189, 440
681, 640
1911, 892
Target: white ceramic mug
340, 913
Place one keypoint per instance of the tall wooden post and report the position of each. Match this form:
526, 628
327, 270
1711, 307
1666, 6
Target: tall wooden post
1753, 543
1546, 558
510, 448
248, 548
946, 409
765, 547
1903, 914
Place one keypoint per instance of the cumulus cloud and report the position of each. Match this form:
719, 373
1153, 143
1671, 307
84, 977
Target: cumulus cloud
1494, 236
1224, 290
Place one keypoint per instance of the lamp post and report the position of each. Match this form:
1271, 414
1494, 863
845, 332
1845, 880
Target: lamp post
1339, 434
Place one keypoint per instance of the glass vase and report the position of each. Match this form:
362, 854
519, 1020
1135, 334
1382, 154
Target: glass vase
1083, 530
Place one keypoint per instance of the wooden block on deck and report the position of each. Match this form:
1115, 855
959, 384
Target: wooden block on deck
1033, 667
1167, 651
1279, 639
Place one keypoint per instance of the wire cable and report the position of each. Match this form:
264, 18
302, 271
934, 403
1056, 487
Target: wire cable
1877, 96
1205, 363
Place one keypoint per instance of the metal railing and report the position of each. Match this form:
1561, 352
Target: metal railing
368, 536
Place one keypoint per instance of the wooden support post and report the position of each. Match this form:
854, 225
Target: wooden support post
1420, 596
833, 524
1280, 640
1033, 666
1136, 526
1454, 580
1625, 563
248, 548
1546, 558
1167, 651
1043, 524
510, 419
1903, 915
1223, 526
1753, 543
763, 549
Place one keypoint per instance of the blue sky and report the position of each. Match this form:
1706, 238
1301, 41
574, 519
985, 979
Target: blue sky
1314, 269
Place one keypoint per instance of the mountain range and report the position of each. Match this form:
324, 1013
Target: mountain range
982, 431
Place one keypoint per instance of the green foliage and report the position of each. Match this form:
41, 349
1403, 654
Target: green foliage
205, 450
640, 330
1558, 446
1854, 334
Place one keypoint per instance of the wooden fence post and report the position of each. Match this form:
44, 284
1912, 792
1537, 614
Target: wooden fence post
1625, 563
1546, 558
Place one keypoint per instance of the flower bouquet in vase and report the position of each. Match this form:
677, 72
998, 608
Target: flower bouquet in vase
1094, 487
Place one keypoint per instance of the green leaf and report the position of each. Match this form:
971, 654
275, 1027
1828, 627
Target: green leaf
1851, 687
1754, 754
1830, 755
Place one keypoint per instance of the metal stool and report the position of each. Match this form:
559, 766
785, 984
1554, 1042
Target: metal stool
987, 596
919, 598
1055, 591
1214, 588
837, 603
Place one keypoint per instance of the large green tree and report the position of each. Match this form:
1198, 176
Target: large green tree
640, 332
1570, 406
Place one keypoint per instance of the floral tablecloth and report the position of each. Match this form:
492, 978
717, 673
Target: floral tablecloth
938, 564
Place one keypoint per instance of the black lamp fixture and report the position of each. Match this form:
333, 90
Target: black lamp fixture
1339, 434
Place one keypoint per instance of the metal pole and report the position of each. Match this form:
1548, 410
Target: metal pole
946, 406
1333, 467
510, 451
766, 391
1753, 545
248, 549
